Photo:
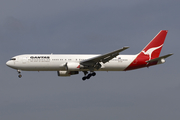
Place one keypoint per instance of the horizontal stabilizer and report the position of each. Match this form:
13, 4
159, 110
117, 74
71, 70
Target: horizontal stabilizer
159, 58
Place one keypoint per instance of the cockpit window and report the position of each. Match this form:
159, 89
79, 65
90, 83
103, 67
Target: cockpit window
13, 59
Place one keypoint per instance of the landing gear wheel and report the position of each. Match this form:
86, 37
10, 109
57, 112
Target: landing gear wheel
88, 76
84, 78
19, 76
93, 74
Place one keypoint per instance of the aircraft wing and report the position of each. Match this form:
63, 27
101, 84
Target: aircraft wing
102, 58
159, 58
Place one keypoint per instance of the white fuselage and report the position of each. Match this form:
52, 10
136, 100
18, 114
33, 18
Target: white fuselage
55, 62
71, 64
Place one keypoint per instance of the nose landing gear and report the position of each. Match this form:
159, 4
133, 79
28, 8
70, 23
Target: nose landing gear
19, 72
19, 76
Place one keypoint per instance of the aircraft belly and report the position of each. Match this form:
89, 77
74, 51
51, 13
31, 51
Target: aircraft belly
41, 67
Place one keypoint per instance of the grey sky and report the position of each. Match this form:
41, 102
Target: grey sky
91, 26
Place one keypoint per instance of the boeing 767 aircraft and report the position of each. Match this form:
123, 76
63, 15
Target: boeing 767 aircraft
72, 64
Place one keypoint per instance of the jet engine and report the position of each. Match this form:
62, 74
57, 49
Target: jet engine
67, 73
73, 66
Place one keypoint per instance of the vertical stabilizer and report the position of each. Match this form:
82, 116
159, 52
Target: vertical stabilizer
151, 51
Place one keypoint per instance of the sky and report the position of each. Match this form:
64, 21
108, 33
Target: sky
89, 27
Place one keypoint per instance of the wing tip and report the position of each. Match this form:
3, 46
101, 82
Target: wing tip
125, 47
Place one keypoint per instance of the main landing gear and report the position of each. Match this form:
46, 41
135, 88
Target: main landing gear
19, 72
88, 76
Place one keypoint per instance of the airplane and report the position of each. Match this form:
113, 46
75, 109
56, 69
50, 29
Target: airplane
72, 64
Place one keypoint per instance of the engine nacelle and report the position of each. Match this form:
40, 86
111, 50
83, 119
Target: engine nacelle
67, 73
73, 66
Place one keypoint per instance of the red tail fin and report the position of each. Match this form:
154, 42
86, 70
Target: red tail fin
151, 51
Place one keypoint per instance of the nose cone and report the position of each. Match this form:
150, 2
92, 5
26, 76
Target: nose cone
9, 63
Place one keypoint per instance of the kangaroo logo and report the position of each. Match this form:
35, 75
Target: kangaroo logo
151, 50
